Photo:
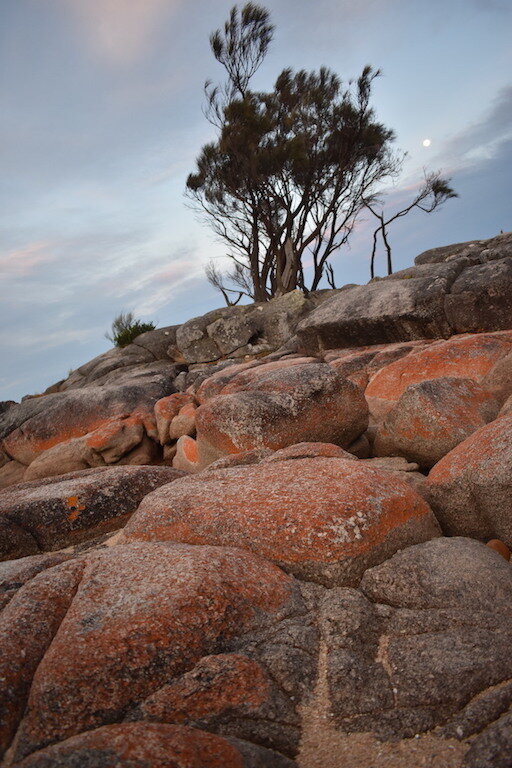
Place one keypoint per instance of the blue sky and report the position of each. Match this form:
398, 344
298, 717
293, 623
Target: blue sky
101, 123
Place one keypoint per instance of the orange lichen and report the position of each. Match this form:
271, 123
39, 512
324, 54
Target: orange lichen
73, 502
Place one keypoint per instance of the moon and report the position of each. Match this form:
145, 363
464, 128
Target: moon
426, 142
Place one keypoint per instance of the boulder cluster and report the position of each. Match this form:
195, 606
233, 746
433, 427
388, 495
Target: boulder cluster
275, 535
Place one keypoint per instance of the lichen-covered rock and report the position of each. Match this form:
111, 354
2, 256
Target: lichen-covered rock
148, 745
465, 357
165, 411
184, 423
15, 573
432, 417
11, 473
308, 451
52, 513
361, 363
28, 625
499, 379
145, 614
40, 423
323, 519
186, 457
237, 378
471, 487
231, 694
282, 407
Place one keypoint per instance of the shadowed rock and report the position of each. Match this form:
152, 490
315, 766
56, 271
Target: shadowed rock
48, 514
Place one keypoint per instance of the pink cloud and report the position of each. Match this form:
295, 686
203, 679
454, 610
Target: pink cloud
25, 261
121, 31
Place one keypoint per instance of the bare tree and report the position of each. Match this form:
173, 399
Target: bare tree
434, 191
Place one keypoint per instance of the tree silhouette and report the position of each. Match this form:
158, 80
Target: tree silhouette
291, 169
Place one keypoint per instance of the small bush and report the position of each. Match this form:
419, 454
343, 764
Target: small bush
125, 328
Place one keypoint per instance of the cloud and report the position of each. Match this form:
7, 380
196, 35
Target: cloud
482, 139
121, 31
25, 261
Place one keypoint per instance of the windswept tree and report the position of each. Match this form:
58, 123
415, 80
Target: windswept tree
434, 191
291, 169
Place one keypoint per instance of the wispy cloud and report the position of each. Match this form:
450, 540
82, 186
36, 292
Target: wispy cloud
121, 31
482, 139
25, 261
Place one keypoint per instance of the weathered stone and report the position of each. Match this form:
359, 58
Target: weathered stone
144, 614
438, 255
238, 377
146, 349
241, 459
186, 457
322, 519
165, 411
465, 357
481, 298
184, 423
308, 451
428, 636
499, 379
432, 417
457, 289
15, 573
500, 547
493, 747
38, 424
380, 312
11, 473
149, 745
244, 330
48, 514
28, 625
279, 408
471, 487
232, 695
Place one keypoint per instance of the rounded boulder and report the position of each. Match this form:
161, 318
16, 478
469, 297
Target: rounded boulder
322, 519
470, 489
432, 417
284, 406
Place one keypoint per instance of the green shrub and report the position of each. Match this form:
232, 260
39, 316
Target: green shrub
125, 328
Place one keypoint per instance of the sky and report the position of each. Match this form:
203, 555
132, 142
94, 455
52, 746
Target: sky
102, 120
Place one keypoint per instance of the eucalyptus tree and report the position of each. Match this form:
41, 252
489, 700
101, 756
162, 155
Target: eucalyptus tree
291, 169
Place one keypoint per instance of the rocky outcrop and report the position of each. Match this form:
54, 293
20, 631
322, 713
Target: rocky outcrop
154, 350
423, 642
432, 417
323, 575
464, 290
465, 357
244, 330
147, 746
